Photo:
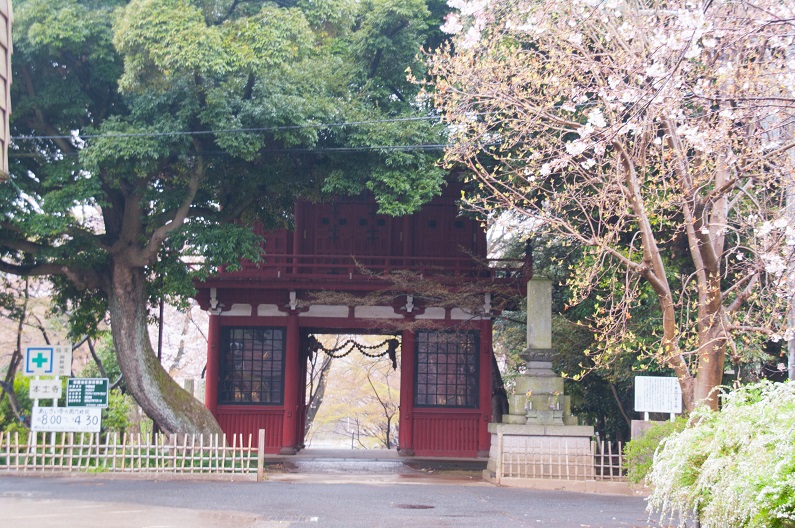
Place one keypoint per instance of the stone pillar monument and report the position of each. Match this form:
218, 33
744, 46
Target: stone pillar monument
538, 396
539, 421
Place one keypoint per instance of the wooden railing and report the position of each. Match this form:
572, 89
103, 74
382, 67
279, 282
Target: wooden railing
132, 453
350, 266
603, 461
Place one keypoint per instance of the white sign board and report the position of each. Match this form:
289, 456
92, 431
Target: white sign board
45, 389
66, 419
658, 394
48, 360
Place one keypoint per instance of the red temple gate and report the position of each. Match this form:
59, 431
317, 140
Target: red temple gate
262, 314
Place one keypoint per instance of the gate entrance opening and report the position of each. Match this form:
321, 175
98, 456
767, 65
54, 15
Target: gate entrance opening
352, 391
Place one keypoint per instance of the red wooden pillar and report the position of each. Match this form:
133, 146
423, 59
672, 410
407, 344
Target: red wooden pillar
406, 430
298, 237
292, 373
211, 373
407, 236
300, 423
484, 439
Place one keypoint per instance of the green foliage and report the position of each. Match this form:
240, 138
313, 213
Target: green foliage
17, 428
735, 467
8, 421
639, 453
10, 307
85, 308
252, 80
107, 355
116, 418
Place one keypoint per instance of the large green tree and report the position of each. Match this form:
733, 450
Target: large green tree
144, 130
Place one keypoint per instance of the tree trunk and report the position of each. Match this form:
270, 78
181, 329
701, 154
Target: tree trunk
316, 396
388, 431
7, 386
620, 406
181, 349
499, 397
688, 386
163, 400
710, 370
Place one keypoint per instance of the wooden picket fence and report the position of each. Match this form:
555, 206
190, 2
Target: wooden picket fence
609, 461
132, 453
604, 461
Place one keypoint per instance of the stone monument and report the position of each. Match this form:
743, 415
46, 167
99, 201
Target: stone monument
539, 424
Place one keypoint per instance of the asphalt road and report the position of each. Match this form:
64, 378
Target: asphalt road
94, 501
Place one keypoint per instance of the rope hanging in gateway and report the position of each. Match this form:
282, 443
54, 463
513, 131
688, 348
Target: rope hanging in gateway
392, 344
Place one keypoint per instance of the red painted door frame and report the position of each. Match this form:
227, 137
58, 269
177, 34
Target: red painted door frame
406, 420
292, 371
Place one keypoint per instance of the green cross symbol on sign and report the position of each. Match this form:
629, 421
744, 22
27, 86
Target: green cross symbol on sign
39, 360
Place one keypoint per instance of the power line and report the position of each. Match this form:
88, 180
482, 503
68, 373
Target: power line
421, 146
226, 131
304, 150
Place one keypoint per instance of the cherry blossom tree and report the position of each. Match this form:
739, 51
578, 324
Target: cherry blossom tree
657, 136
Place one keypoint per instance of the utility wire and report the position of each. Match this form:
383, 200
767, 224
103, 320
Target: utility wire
302, 150
225, 131
421, 146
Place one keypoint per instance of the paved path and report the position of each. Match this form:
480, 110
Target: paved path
303, 500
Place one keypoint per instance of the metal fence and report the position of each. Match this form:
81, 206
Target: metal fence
602, 461
132, 453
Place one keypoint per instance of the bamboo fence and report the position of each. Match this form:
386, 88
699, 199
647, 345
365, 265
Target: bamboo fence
603, 461
130, 453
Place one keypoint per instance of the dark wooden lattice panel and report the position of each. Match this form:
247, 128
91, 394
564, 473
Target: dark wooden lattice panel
252, 366
446, 369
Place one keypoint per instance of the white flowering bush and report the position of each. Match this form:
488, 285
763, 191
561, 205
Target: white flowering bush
734, 467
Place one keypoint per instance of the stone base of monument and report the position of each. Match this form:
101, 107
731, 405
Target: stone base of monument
540, 451
539, 437
539, 395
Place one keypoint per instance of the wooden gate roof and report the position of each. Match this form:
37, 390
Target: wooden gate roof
346, 246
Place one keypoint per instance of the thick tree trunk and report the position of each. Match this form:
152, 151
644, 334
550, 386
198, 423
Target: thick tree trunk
163, 400
688, 385
710, 370
702, 389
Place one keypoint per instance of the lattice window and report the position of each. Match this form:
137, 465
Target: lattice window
447, 369
252, 366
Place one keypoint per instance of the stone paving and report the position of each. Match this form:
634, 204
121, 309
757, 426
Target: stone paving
309, 490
